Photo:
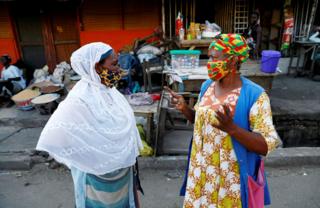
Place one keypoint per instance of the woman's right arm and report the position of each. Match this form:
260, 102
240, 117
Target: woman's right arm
188, 113
181, 105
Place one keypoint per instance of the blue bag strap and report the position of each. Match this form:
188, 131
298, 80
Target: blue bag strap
204, 87
184, 183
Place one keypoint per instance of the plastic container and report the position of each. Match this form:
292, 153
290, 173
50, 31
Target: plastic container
181, 34
185, 59
269, 61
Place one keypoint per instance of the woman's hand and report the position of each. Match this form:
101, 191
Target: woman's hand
252, 141
225, 120
181, 105
177, 100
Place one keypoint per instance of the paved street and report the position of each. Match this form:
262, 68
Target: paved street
296, 187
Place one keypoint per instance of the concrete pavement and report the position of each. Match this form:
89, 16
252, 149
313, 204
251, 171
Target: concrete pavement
280, 158
291, 187
17, 144
18, 141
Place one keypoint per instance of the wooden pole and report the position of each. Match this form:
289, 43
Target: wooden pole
49, 47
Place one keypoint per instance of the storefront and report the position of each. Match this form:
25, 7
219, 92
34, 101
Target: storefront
233, 16
118, 22
48, 32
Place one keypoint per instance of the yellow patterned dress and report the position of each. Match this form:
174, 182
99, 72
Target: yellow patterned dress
214, 177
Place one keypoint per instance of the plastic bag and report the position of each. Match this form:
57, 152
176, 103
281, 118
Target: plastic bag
41, 75
139, 99
149, 49
147, 150
212, 30
59, 72
212, 27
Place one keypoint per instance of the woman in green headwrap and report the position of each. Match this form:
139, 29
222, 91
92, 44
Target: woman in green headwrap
232, 128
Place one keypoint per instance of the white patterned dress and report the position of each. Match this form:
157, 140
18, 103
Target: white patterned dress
214, 177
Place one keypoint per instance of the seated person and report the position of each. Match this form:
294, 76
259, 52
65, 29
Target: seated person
11, 81
315, 37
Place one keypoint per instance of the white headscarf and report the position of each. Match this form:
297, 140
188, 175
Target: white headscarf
94, 128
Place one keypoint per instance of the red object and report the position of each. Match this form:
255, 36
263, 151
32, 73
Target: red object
8, 46
179, 24
156, 97
288, 30
115, 38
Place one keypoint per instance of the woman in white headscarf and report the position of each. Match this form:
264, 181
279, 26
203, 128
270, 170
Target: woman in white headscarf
94, 132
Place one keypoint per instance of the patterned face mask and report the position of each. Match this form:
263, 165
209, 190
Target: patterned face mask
217, 69
110, 78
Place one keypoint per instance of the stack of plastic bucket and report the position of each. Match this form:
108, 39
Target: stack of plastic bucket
270, 60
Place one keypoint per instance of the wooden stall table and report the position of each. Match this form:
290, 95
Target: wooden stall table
202, 44
148, 112
308, 46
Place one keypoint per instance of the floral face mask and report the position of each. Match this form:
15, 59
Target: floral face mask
110, 78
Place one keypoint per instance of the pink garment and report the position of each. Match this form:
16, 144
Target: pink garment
256, 189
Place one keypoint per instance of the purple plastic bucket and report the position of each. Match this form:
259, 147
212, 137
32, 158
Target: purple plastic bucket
269, 61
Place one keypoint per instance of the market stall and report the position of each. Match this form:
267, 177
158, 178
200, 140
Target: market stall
190, 80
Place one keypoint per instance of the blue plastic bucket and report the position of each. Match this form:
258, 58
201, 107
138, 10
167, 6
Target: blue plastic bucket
269, 61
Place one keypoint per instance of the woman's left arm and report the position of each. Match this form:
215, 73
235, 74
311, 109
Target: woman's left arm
263, 138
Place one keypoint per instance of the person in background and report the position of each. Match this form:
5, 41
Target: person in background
315, 37
11, 81
253, 35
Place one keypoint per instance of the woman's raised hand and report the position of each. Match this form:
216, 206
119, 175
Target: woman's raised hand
177, 100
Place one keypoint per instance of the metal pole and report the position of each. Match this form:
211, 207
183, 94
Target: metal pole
170, 20
313, 13
190, 11
224, 16
296, 14
227, 24
301, 28
234, 17
307, 17
194, 10
175, 9
230, 17
187, 15
163, 20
